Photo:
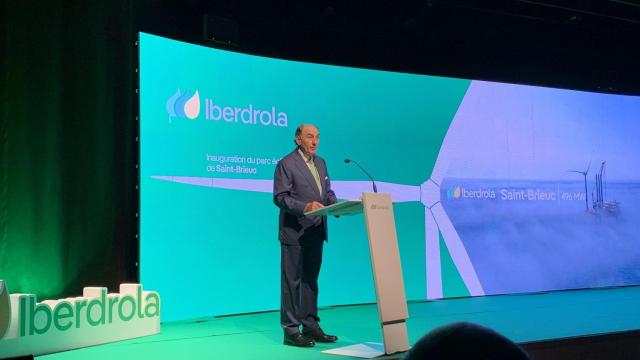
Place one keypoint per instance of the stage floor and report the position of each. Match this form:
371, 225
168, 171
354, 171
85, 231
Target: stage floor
522, 318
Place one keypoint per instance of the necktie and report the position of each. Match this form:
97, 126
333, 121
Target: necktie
314, 172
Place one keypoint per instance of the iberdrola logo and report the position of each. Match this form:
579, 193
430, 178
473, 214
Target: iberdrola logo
5, 309
453, 192
184, 105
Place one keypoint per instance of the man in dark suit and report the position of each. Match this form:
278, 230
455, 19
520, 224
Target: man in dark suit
301, 184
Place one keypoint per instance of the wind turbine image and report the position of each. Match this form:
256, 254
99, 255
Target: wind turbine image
428, 193
584, 173
599, 194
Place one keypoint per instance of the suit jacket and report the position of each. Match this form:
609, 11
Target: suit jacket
294, 187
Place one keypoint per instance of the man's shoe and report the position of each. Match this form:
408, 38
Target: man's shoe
319, 336
298, 339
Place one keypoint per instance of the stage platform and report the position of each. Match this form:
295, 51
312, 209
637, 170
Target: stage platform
545, 323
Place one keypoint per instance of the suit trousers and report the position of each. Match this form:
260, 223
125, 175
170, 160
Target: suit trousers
300, 267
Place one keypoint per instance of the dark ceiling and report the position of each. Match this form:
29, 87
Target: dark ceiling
591, 45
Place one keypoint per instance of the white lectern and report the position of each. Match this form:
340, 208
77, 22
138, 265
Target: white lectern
385, 259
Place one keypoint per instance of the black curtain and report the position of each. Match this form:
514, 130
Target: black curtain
68, 195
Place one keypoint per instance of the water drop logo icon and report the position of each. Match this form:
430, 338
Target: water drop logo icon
454, 192
183, 105
192, 106
171, 102
5, 309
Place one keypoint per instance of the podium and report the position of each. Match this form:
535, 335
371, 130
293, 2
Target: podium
385, 260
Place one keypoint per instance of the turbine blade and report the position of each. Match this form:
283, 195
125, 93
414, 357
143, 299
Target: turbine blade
434, 266
457, 250
343, 189
579, 172
231, 184
354, 189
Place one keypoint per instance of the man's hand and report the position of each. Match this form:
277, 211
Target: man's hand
314, 205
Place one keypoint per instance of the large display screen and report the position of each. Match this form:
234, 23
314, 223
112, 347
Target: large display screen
498, 188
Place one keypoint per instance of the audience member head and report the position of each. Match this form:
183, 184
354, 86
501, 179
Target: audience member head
464, 340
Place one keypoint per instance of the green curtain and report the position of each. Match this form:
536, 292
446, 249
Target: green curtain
68, 150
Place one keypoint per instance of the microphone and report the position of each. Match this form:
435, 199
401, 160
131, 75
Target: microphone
375, 189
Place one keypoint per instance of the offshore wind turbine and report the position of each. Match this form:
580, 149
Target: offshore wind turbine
584, 173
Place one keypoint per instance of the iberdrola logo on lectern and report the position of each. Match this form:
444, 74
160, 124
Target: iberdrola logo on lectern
5, 309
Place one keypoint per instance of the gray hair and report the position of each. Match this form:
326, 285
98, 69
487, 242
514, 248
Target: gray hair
299, 131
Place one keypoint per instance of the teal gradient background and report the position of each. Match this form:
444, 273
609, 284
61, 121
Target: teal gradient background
221, 245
